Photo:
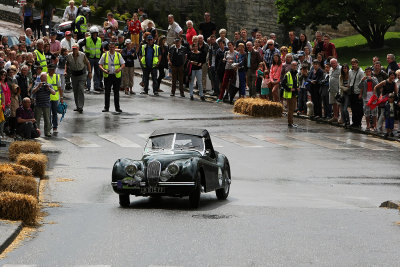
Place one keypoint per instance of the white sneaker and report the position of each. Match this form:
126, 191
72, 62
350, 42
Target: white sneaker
55, 131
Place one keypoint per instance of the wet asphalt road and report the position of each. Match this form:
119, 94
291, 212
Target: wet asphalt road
299, 197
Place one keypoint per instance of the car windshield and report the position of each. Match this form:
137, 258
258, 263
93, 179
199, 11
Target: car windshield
12, 40
174, 142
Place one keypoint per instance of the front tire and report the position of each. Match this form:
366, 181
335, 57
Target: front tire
194, 196
223, 192
124, 201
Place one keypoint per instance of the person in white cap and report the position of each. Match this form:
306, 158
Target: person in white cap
78, 64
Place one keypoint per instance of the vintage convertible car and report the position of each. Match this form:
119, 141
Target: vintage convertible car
175, 162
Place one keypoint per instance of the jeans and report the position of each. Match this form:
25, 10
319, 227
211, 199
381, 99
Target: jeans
94, 64
325, 102
53, 114
345, 108
45, 111
302, 99
146, 75
115, 83
381, 119
198, 75
242, 83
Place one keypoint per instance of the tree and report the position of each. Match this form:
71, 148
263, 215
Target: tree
370, 18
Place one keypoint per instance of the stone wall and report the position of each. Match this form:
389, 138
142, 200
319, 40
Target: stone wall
9, 13
261, 14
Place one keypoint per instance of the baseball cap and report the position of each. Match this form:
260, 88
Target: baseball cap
128, 41
177, 39
68, 33
51, 67
150, 37
75, 46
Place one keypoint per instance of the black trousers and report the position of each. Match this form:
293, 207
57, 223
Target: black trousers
115, 83
357, 109
27, 130
146, 76
316, 99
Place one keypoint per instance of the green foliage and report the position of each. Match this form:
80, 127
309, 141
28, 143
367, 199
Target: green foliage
370, 18
356, 46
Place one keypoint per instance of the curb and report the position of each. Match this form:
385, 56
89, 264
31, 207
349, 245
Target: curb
11, 238
354, 130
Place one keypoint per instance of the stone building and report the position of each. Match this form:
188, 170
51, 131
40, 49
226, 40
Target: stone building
261, 14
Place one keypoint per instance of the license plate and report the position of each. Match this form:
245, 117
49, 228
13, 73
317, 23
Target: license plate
148, 190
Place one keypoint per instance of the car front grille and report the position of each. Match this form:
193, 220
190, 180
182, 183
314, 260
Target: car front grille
153, 172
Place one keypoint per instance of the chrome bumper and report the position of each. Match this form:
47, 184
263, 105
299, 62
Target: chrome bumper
165, 184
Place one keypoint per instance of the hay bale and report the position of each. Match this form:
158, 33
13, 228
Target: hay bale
258, 107
18, 169
19, 184
6, 169
35, 162
26, 147
14, 206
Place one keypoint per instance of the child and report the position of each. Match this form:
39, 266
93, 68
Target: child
259, 75
135, 28
302, 108
390, 111
264, 85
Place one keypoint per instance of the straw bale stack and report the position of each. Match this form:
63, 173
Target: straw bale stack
258, 107
19, 184
35, 162
18, 169
25, 147
14, 206
6, 169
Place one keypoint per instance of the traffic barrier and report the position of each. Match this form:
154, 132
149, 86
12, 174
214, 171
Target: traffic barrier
35, 162
25, 147
19, 184
258, 107
6, 169
14, 206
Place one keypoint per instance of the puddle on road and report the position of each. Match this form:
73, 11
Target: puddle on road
211, 216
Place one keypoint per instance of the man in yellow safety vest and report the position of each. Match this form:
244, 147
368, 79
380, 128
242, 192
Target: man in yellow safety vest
92, 46
150, 57
112, 63
55, 81
40, 57
81, 23
291, 87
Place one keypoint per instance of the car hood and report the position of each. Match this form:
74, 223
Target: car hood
169, 156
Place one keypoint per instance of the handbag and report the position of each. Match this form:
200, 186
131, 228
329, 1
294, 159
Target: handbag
339, 98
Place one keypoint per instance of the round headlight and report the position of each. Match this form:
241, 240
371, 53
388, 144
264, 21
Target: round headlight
173, 169
131, 170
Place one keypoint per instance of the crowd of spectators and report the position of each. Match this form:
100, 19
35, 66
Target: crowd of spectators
303, 74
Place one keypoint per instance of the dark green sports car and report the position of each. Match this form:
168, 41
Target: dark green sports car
175, 162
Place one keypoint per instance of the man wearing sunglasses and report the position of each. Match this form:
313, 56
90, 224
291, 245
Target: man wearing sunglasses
269, 52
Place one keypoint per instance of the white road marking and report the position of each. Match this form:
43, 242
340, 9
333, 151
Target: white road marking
318, 142
79, 141
119, 140
284, 142
237, 140
45, 143
357, 143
